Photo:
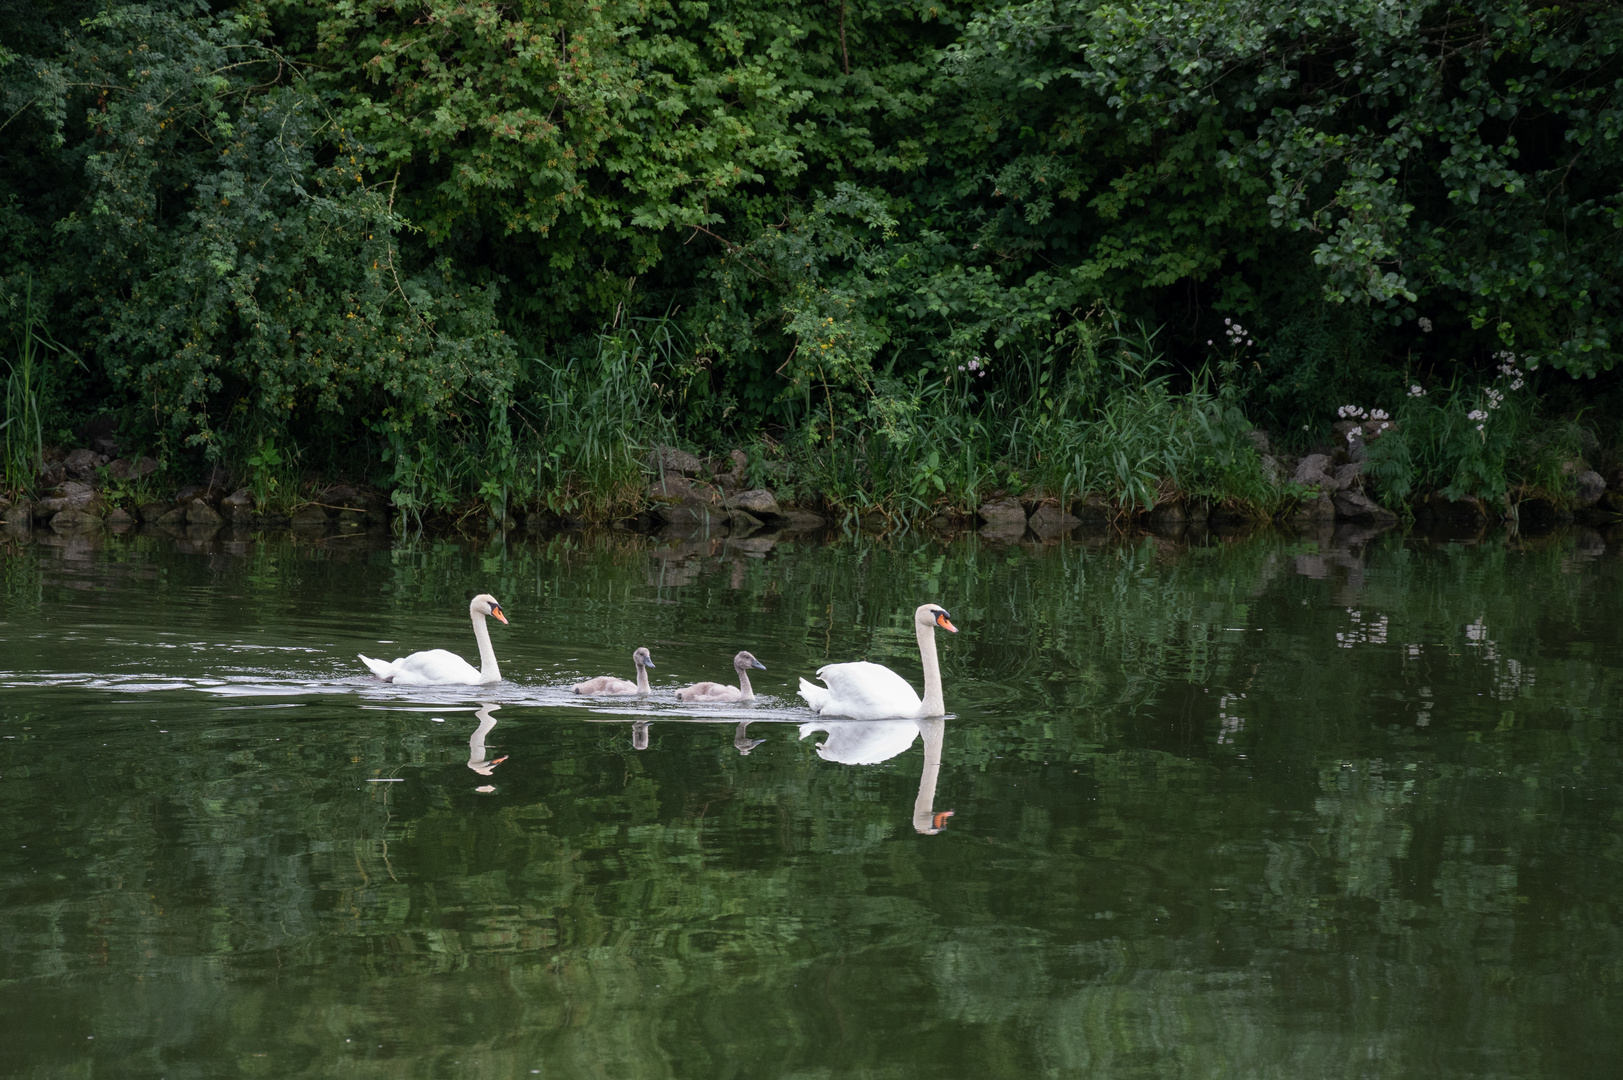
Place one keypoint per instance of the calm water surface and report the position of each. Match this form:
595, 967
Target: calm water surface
1268, 807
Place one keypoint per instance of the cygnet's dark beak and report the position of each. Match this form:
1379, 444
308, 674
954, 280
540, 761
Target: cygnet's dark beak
945, 623
648, 661
756, 663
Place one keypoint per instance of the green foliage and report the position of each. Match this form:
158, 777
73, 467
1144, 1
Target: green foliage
1485, 442
328, 226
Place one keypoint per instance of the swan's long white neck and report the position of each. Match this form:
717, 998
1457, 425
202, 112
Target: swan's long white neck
744, 680
933, 703
642, 679
488, 671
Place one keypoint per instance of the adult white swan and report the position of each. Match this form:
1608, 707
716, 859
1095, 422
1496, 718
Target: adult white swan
436, 667
714, 691
608, 684
864, 691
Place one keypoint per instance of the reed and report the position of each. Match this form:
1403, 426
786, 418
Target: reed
27, 386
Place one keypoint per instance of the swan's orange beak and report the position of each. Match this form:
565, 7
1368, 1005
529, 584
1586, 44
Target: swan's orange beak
945, 623
939, 821
495, 609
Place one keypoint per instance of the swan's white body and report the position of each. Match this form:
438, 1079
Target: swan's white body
609, 685
864, 691
714, 691
437, 667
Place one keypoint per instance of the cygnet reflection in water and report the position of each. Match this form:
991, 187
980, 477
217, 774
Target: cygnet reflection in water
741, 740
478, 760
869, 742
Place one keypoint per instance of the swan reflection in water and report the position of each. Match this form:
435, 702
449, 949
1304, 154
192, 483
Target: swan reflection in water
477, 759
868, 742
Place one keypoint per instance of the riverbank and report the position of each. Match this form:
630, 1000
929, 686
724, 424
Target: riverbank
733, 493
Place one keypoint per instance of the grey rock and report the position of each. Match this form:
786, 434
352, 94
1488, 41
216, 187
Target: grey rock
757, 501
146, 466
76, 521
150, 512
199, 512
1003, 512
119, 468
1355, 506
1588, 487
239, 497
1350, 475
1258, 438
74, 495
82, 463
120, 519
1311, 469
1272, 470
19, 515
173, 518
667, 459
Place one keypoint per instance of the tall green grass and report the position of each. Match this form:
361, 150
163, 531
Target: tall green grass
570, 438
1095, 414
28, 382
1488, 442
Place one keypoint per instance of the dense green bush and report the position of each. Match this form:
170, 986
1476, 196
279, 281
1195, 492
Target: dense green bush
325, 235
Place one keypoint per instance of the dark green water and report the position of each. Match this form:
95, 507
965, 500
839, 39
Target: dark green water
1261, 808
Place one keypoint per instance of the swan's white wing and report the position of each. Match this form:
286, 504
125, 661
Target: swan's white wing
864, 691
381, 668
431, 668
816, 696
862, 742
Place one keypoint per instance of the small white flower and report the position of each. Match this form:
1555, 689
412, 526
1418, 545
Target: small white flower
1208, 341
1517, 385
1479, 427
1416, 391
1476, 414
1248, 341
1425, 325
1378, 414
1228, 322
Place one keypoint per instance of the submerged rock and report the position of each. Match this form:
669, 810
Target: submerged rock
199, 512
310, 516
1049, 520
1356, 506
76, 521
